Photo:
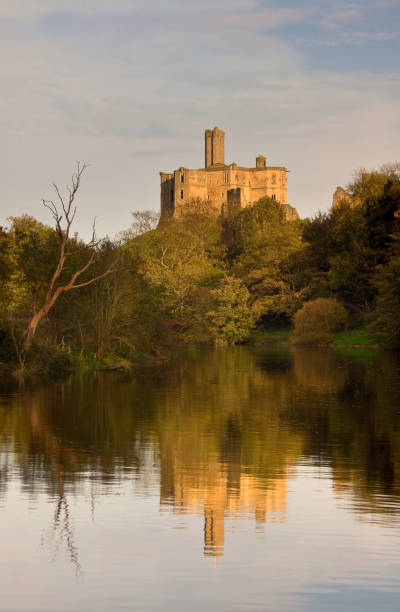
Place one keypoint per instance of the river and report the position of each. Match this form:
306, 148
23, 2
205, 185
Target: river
232, 478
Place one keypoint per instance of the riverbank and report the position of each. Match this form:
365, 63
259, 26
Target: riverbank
355, 338
46, 362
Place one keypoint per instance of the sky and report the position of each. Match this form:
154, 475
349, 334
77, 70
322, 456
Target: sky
129, 86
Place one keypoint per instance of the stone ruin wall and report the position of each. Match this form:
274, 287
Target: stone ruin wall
217, 179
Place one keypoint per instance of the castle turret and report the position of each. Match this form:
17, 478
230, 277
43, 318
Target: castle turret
261, 161
214, 147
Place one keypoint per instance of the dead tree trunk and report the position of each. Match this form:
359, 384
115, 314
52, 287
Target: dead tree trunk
63, 214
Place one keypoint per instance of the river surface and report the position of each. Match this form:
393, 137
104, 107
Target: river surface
230, 479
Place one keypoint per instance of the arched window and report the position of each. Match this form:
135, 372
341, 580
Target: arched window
181, 194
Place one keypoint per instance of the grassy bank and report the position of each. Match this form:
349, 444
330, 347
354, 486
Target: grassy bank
270, 336
356, 338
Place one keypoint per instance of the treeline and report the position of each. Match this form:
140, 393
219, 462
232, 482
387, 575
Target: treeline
200, 278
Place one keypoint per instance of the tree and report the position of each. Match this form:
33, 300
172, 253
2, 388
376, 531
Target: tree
344, 247
259, 243
63, 211
143, 221
384, 322
232, 318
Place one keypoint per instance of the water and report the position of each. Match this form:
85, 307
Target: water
230, 479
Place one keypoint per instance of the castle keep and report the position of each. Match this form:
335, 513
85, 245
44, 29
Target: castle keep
228, 187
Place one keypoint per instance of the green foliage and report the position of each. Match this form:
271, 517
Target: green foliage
384, 321
261, 243
98, 318
317, 322
49, 360
177, 265
232, 318
343, 248
34, 253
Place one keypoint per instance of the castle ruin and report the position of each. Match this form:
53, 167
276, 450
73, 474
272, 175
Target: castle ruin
228, 187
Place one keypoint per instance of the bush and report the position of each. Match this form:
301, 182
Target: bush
47, 360
318, 321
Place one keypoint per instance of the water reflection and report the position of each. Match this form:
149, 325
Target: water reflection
220, 432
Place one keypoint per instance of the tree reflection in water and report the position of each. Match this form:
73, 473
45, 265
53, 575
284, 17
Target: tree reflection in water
61, 532
220, 429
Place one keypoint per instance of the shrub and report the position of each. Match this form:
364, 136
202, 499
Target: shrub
318, 321
48, 360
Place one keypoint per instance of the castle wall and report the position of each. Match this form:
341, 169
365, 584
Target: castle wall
213, 182
254, 183
167, 193
190, 185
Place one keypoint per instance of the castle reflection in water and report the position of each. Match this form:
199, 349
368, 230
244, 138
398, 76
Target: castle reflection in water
220, 496
216, 435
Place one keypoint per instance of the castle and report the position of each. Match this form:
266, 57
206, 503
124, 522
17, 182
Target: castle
228, 187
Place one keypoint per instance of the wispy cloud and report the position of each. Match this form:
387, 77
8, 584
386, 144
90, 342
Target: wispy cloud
350, 38
130, 86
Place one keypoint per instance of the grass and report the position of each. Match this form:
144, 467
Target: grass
354, 337
270, 336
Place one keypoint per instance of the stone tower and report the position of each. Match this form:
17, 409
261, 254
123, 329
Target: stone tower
214, 147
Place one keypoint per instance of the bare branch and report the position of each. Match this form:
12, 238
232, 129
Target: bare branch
93, 239
85, 247
80, 271
59, 196
110, 270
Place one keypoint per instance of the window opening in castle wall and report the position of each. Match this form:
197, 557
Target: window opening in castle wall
181, 194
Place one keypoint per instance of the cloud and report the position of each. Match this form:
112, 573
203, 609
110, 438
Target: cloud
265, 19
29, 8
348, 38
130, 91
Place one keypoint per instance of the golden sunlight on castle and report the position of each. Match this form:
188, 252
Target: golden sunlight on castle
228, 187
220, 498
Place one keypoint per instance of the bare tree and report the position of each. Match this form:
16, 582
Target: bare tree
63, 211
143, 221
